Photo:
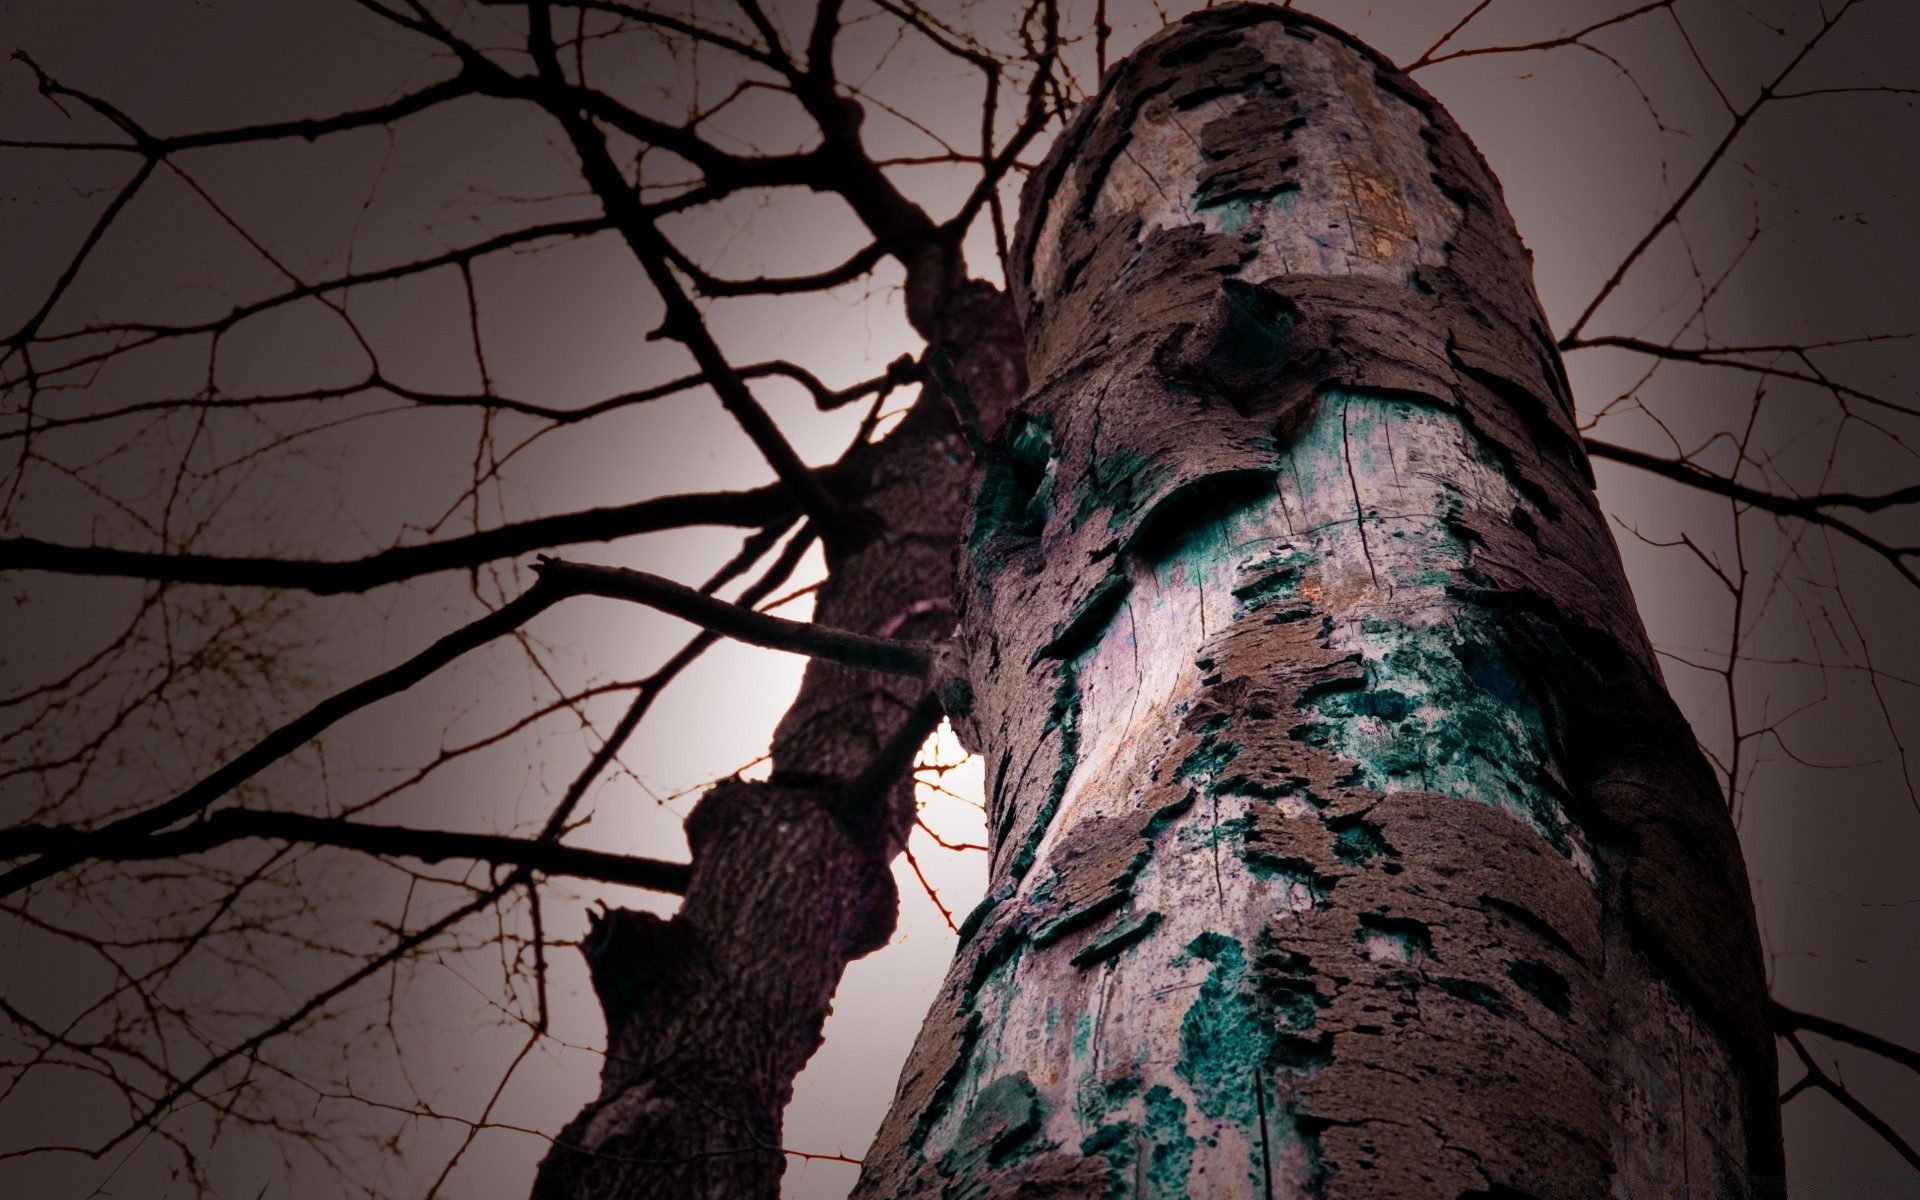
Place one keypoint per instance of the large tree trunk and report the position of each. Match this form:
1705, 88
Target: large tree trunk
1345, 841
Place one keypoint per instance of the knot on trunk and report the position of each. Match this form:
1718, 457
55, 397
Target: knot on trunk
1240, 350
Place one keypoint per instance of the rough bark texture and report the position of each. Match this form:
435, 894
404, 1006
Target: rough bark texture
1345, 840
711, 1014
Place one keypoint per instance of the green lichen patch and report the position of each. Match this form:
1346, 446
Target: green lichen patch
1223, 1039
1118, 1142
1247, 1025
1443, 708
1015, 493
1233, 208
1440, 703
1171, 1158
1115, 483
999, 1127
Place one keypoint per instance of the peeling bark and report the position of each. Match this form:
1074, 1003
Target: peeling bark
1345, 840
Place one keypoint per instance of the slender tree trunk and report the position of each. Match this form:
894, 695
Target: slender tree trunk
1345, 841
711, 1014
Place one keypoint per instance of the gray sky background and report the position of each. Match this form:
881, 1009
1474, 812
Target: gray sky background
1590, 143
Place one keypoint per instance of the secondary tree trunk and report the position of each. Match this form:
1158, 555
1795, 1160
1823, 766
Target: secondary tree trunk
711, 1015
1345, 840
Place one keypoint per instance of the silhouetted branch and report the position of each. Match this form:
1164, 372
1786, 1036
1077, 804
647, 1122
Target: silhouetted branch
1431, 57
1812, 510
1724, 357
286, 739
734, 621
1816, 1077
428, 845
853, 267
458, 256
305, 128
1786, 1020
758, 507
683, 322
1740, 121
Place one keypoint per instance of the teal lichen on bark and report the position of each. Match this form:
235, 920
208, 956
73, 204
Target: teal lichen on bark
1063, 720
1442, 709
1358, 841
1444, 704
1114, 483
1171, 1158
1015, 492
999, 1127
1233, 210
1148, 1159
1244, 1027
1223, 1038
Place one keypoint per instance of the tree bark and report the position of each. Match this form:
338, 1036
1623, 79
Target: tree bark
1345, 840
711, 1015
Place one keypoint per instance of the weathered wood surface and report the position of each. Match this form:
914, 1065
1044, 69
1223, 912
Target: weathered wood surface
1345, 841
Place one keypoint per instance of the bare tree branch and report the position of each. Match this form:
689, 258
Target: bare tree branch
758, 507
1740, 121
427, 845
1816, 1077
286, 739
741, 624
1811, 509
1786, 1020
